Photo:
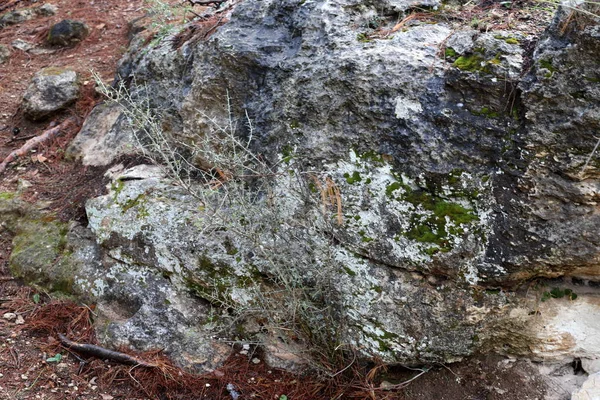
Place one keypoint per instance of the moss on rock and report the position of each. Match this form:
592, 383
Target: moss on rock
40, 256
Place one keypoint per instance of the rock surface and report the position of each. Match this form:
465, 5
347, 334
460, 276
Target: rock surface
51, 89
67, 33
104, 137
18, 16
590, 389
414, 206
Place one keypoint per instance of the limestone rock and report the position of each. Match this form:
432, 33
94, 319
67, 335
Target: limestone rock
16, 17
67, 33
414, 200
19, 16
104, 137
22, 45
47, 10
51, 89
590, 389
591, 366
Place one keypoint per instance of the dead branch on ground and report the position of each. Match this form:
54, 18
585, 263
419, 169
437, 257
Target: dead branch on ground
216, 3
34, 142
103, 353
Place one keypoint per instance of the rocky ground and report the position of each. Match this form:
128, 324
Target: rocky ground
30, 365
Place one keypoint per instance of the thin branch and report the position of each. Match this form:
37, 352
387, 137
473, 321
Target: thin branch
216, 3
103, 353
34, 142
588, 159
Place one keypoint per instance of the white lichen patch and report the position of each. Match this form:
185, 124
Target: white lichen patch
407, 108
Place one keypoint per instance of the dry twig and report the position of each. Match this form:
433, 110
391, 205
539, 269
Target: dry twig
34, 142
216, 3
103, 353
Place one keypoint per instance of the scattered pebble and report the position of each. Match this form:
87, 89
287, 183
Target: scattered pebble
232, 392
9, 316
19, 320
255, 360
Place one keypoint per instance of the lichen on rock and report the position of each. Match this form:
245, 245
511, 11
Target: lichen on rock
409, 200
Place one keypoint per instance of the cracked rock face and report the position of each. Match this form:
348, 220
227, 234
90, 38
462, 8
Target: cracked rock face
411, 193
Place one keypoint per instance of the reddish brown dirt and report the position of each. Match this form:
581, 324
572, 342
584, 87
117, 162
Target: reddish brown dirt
52, 178
25, 347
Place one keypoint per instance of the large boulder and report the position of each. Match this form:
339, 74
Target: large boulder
361, 194
51, 89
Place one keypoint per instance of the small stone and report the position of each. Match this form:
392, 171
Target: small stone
50, 90
4, 53
47, 10
16, 17
19, 320
256, 360
67, 33
9, 316
24, 377
62, 369
22, 45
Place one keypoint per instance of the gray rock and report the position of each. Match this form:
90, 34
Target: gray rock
590, 389
47, 10
4, 54
16, 17
51, 90
22, 45
19, 16
104, 137
67, 33
407, 195
590, 366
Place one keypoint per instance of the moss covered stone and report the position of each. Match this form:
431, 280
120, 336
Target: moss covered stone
40, 255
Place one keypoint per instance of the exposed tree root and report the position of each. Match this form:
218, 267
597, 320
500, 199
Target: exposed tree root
34, 142
103, 353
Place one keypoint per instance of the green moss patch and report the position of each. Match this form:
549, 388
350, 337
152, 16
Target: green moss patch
474, 62
450, 52
40, 256
435, 219
352, 179
558, 293
7, 195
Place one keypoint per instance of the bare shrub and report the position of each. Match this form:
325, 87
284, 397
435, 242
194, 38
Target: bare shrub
279, 210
